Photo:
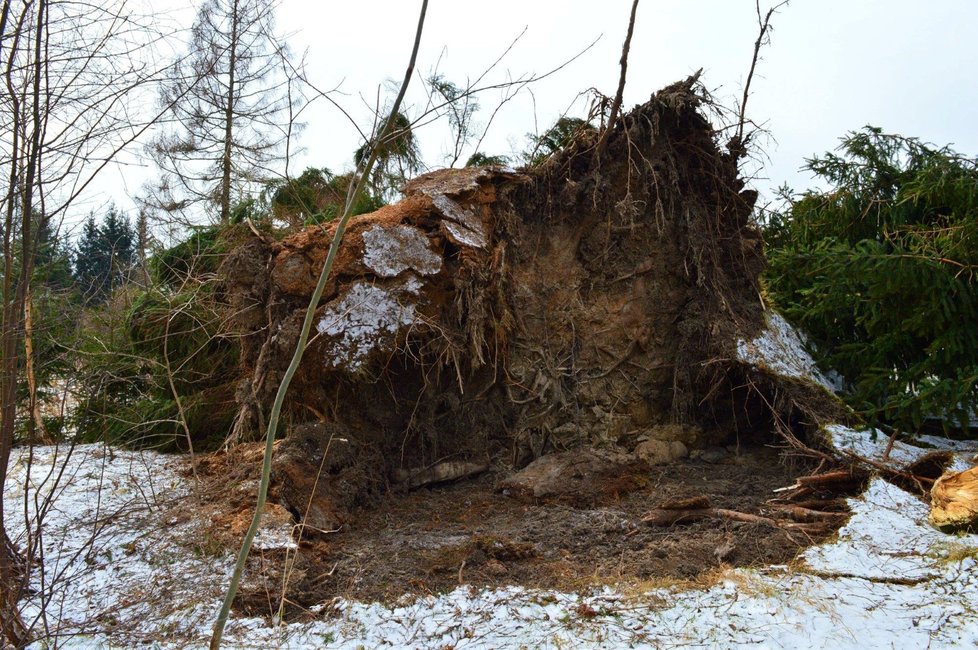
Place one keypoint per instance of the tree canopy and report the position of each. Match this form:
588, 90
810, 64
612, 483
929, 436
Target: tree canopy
880, 269
228, 105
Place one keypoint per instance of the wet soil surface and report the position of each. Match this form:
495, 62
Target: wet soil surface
432, 540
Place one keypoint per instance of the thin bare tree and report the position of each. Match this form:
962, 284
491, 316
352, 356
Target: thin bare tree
230, 103
71, 73
738, 144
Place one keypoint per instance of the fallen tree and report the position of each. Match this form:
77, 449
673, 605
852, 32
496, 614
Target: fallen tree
496, 315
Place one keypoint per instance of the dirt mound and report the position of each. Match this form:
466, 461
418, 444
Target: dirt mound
494, 316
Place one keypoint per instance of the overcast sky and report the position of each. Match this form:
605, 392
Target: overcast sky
832, 66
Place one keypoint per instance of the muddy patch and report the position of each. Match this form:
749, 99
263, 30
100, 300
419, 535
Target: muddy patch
432, 540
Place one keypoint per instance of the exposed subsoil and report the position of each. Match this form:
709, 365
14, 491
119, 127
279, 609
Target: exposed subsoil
581, 304
434, 539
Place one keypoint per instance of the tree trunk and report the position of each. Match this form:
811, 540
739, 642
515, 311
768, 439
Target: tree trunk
229, 120
39, 431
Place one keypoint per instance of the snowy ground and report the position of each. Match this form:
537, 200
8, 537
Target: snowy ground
780, 350
117, 571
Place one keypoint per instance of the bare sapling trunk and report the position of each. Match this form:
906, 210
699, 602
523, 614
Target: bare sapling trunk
353, 194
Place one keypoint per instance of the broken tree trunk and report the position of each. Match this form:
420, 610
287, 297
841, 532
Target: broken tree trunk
954, 500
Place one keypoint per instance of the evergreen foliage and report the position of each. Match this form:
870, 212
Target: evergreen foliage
880, 269
555, 138
398, 158
146, 350
104, 255
461, 107
200, 253
317, 196
52, 260
479, 159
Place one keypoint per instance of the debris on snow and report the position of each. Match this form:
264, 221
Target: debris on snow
888, 539
112, 558
871, 444
889, 581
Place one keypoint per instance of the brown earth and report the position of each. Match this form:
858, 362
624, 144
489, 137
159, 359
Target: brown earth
432, 540
496, 318
592, 297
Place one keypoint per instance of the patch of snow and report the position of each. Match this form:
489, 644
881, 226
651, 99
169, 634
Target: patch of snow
780, 349
412, 285
887, 538
889, 581
464, 226
110, 559
270, 539
391, 251
365, 318
871, 444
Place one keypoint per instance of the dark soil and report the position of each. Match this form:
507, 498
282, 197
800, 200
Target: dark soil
433, 540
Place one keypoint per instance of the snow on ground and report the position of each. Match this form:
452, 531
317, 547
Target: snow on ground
888, 581
872, 443
780, 350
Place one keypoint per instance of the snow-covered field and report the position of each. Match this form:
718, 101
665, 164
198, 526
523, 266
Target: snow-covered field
118, 571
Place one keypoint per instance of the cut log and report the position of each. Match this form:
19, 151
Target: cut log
954, 501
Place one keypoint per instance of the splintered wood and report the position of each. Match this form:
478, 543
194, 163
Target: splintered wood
954, 500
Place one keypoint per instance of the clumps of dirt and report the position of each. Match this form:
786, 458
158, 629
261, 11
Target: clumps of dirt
576, 477
433, 540
318, 475
222, 500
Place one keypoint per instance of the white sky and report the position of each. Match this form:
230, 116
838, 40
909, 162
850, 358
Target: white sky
907, 66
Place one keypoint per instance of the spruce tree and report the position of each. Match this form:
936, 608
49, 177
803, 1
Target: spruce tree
104, 256
880, 269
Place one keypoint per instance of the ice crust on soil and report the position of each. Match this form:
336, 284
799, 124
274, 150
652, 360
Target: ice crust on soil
888, 581
391, 251
780, 350
364, 318
463, 225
